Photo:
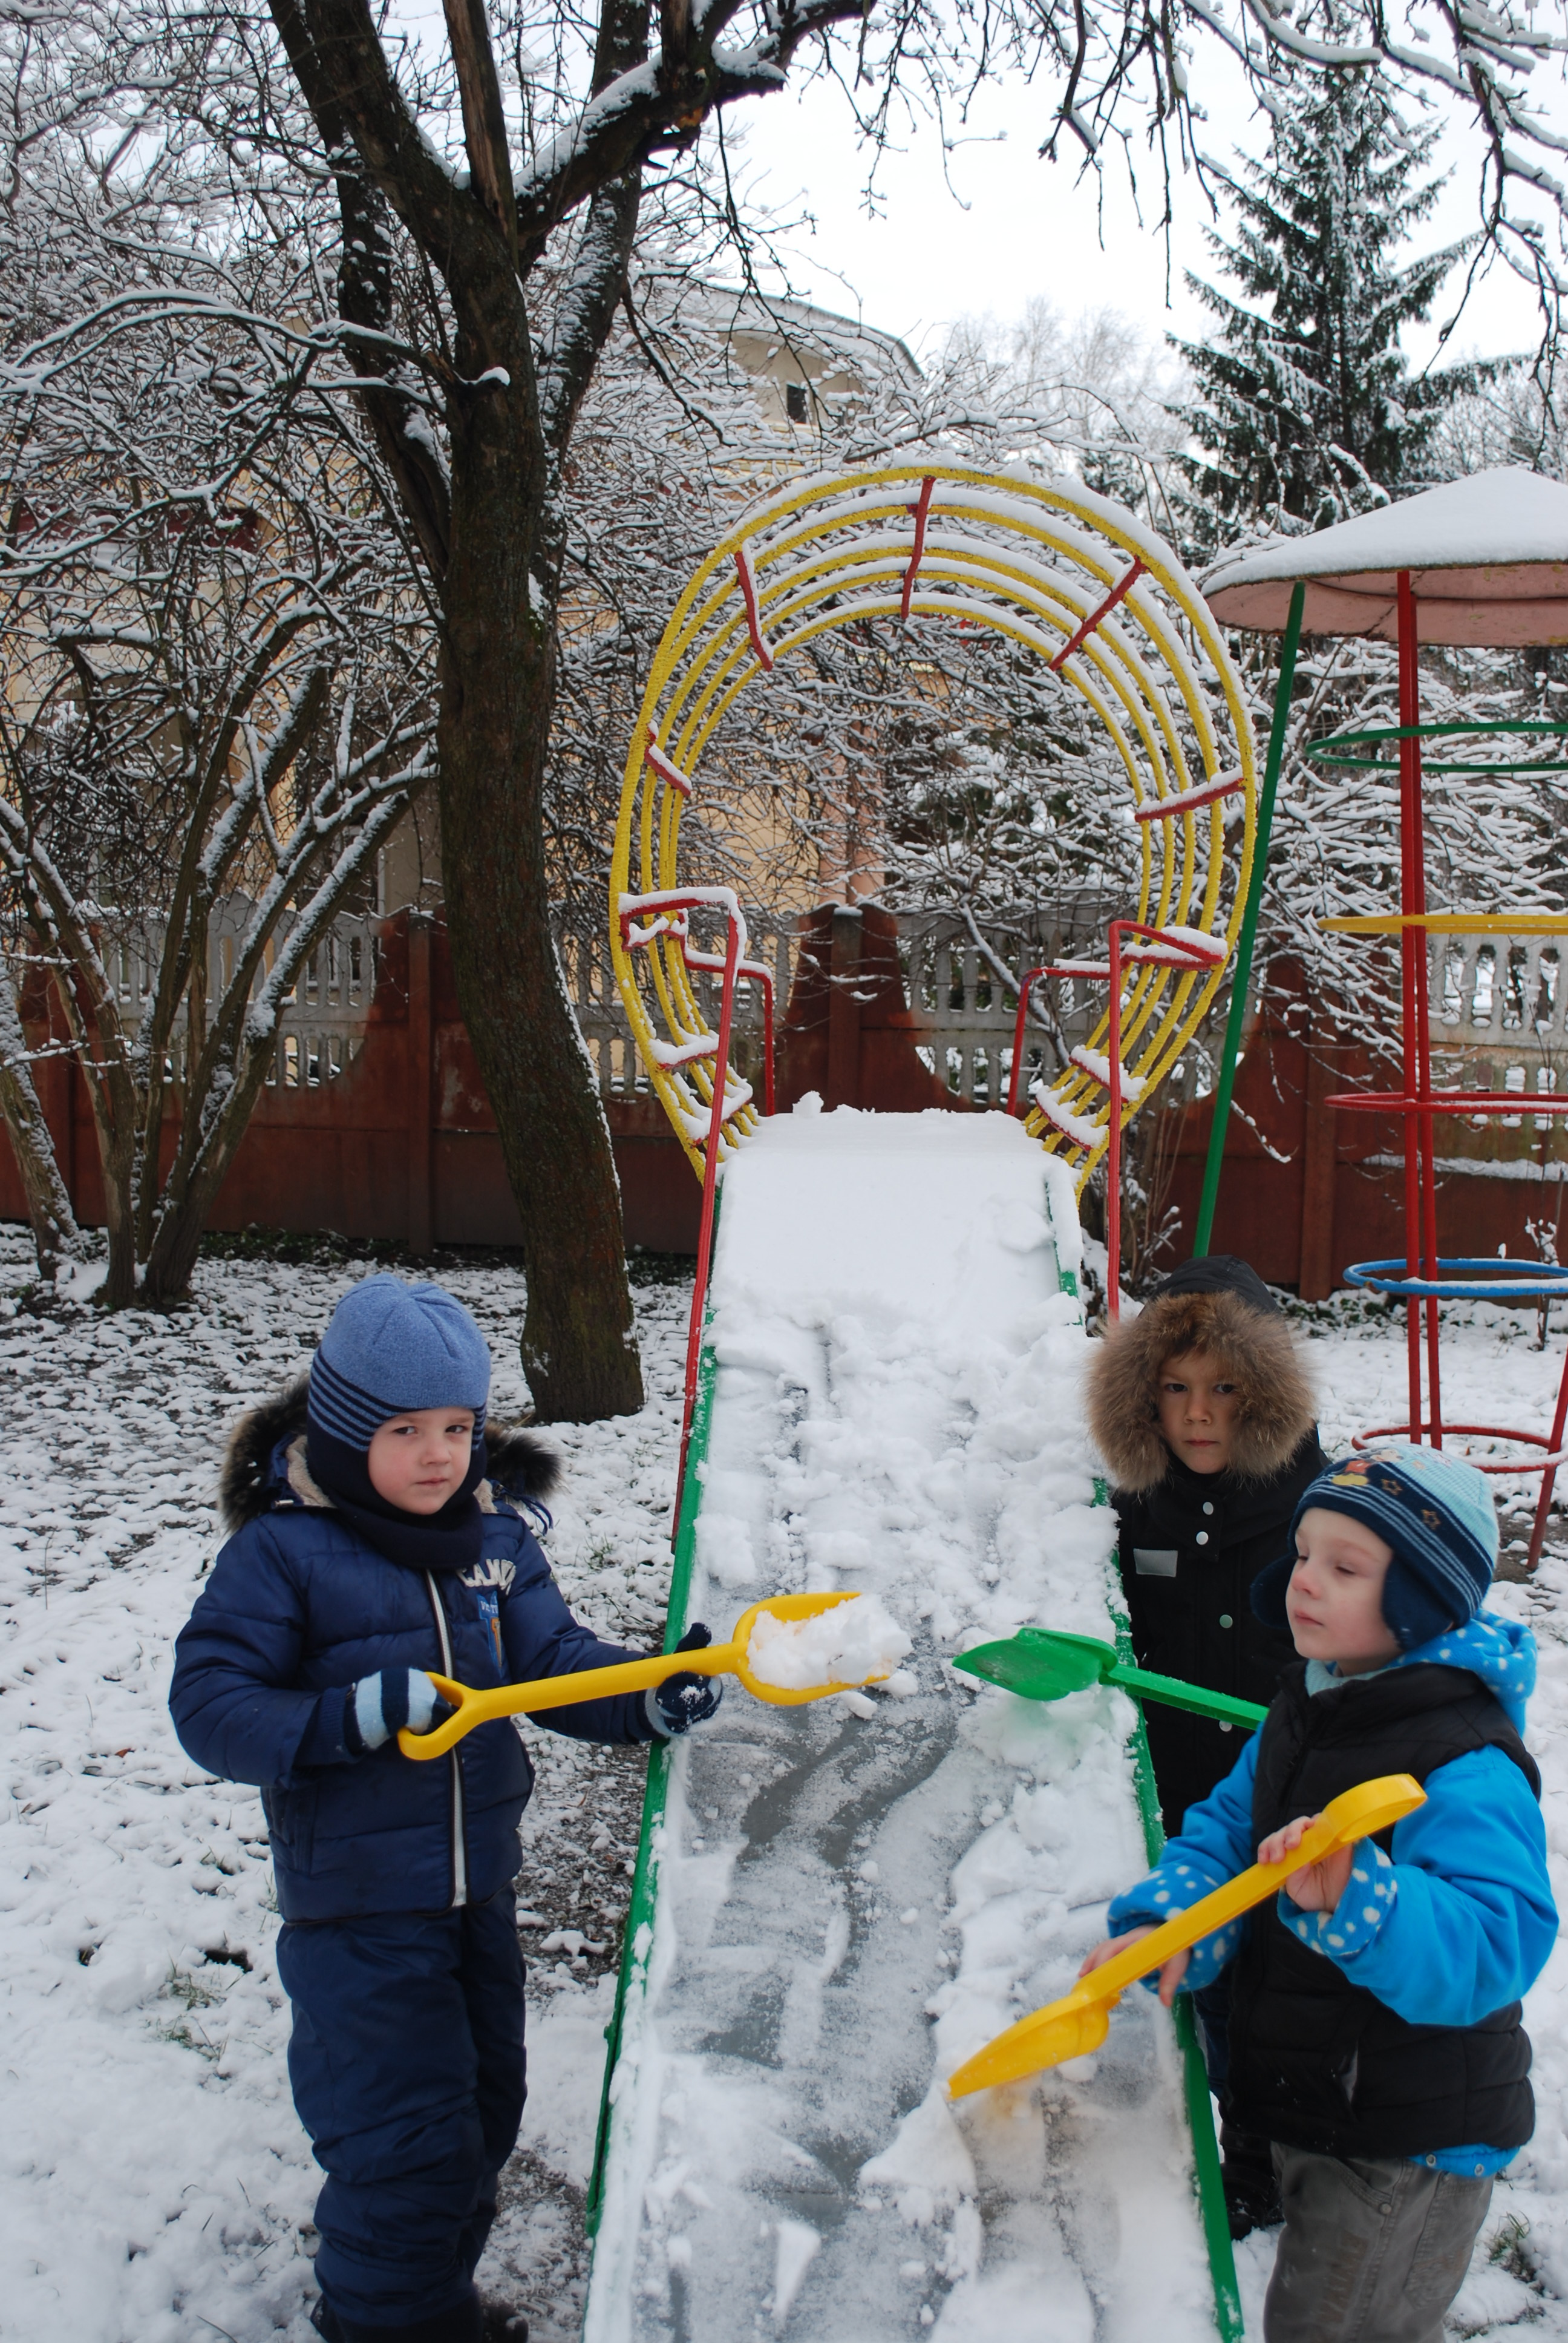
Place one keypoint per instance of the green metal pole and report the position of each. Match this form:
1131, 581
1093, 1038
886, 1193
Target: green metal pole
1242, 980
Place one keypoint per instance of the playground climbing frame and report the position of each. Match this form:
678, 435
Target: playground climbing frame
1071, 576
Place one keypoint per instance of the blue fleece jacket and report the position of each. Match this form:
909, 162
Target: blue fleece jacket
1457, 1925
298, 1607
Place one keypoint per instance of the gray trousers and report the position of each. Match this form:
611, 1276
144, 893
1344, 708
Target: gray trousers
1370, 2252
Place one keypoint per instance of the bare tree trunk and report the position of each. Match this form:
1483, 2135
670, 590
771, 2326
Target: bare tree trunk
54, 1231
579, 1349
180, 1215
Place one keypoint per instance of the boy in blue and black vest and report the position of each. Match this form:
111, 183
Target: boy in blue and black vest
1375, 2037
376, 1541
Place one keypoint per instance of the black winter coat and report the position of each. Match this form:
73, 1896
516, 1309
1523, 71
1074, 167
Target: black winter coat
1188, 1549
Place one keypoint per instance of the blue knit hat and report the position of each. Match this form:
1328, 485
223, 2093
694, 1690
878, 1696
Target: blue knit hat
1436, 1513
391, 1347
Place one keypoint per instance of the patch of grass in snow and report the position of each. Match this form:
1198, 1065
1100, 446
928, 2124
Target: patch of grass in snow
645, 1268
187, 2031
1339, 1311
325, 1249
1503, 2293
1508, 2250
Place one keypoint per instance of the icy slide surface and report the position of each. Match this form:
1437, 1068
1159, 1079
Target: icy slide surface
854, 1895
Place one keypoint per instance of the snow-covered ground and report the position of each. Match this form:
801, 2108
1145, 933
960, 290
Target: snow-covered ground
156, 2187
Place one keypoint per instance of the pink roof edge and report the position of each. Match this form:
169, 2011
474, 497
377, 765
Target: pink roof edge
1488, 557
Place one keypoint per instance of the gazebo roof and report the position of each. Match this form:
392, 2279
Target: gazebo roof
1488, 558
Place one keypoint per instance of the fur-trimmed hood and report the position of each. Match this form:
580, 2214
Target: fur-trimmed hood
518, 1464
1219, 1306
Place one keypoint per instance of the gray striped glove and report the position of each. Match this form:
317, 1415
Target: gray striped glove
378, 1706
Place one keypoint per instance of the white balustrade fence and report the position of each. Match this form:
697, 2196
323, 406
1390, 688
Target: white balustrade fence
321, 1020
1499, 1016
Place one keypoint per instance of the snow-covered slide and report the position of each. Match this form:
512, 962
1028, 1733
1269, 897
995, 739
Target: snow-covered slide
839, 1903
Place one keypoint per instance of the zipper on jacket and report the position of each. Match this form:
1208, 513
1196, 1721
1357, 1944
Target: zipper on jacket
459, 1852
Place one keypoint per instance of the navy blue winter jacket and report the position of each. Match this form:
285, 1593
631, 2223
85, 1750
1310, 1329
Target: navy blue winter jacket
297, 1608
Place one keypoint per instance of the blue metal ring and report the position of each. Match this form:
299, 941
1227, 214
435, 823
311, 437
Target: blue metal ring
1507, 1281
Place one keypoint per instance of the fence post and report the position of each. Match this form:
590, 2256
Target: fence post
1315, 1276
420, 1086
844, 1009
58, 1097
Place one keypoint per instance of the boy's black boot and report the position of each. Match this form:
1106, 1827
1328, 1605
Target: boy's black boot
464, 2323
1251, 2185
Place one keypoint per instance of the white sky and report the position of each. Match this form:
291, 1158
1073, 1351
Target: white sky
1001, 225
1012, 227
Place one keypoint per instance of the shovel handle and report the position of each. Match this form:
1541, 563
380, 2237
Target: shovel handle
1353, 1815
1196, 1698
560, 1692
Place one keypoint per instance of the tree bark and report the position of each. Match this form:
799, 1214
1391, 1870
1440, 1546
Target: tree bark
498, 696
579, 1349
509, 414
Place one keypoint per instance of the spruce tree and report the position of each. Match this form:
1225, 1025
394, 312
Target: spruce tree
1306, 410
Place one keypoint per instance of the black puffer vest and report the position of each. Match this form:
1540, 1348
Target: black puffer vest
1318, 2063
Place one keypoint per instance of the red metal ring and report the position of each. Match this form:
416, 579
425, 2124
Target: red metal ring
1475, 1431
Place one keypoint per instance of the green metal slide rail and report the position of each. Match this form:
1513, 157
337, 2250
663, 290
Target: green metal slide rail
1228, 2320
637, 1945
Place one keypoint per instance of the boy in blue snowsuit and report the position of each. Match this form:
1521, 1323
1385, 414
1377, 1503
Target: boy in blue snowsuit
1375, 2037
376, 1543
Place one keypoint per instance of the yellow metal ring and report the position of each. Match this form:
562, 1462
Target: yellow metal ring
1032, 558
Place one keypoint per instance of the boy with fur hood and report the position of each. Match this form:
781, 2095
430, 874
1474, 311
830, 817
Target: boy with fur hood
380, 1534
1201, 1409
1375, 2037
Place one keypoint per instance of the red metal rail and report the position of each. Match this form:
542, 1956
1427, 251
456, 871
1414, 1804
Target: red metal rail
920, 512
748, 578
1161, 949
1096, 617
673, 908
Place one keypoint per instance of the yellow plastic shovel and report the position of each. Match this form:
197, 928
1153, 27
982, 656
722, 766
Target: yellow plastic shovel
1080, 2021
628, 1675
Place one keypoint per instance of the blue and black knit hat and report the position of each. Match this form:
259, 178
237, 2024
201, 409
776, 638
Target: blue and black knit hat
388, 1350
391, 1347
1437, 1514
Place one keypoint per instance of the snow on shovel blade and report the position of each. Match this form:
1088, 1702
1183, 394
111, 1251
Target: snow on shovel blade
1080, 2021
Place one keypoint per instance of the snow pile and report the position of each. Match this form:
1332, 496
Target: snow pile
850, 1904
855, 1643
1495, 519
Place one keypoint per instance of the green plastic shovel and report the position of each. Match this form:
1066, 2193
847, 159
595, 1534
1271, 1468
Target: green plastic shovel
1043, 1665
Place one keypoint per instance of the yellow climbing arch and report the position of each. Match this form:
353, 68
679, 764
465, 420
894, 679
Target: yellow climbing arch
1073, 577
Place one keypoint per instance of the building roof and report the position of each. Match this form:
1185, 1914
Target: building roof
819, 342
